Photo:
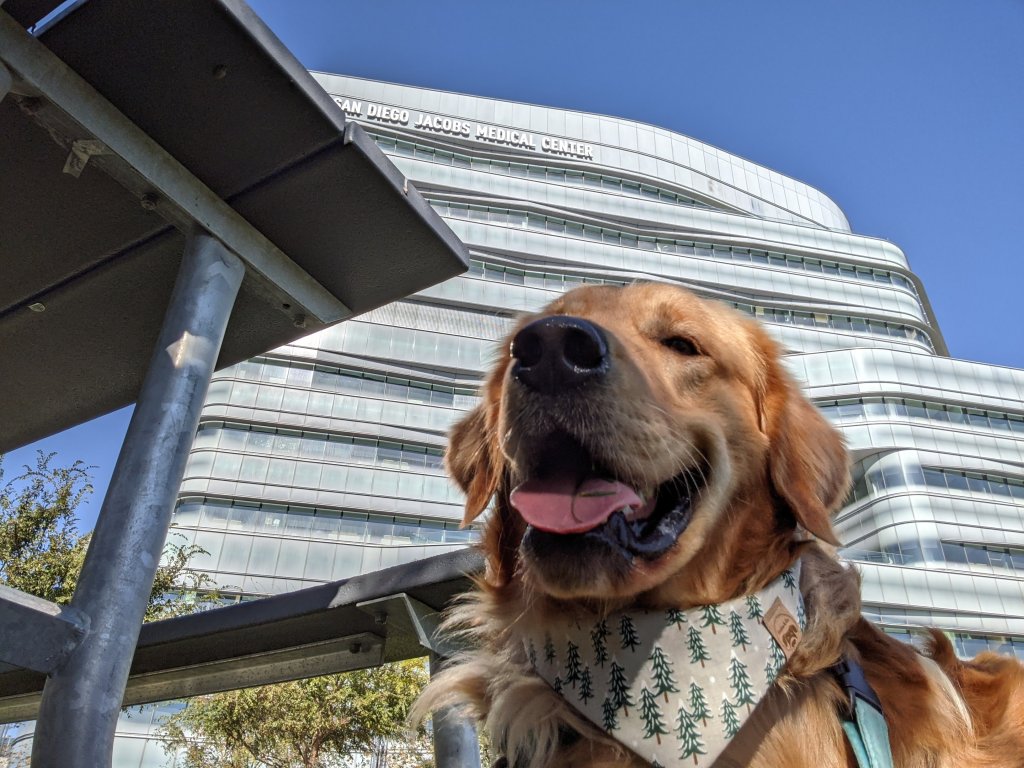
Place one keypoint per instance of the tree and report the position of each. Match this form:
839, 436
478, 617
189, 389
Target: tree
730, 721
699, 704
661, 667
789, 579
586, 691
695, 642
549, 650
712, 616
654, 723
776, 660
677, 617
609, 715
310, 723
618, 688
754, 610
573, 666
628, 633
41, 552
597, 636
737, 631
739, 681
691, 744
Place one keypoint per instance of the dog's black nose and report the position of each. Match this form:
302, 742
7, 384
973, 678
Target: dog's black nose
558, 353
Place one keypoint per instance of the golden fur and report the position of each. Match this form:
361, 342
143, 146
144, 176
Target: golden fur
773, 472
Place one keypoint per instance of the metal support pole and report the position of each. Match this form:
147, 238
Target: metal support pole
82, 699
455, 741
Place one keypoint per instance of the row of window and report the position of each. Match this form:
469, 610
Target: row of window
916, 409
256, 563
263, 443
545, 173
352, 382
966, 645
317, 523
541, 222
911, 551
888, 476
552, 281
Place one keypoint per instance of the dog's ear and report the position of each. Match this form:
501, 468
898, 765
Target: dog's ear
471, 462
807, 460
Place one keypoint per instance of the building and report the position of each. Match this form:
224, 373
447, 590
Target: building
322, 459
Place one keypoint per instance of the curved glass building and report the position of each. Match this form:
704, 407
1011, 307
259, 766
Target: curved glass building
322, 459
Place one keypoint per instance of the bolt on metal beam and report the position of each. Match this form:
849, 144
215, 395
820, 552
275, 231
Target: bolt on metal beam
82, 699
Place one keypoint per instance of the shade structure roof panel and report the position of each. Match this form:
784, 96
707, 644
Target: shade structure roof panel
89, 260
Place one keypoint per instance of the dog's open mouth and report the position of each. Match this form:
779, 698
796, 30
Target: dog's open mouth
569, 497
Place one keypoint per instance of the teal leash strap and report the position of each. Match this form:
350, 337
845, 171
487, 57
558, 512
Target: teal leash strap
864, 724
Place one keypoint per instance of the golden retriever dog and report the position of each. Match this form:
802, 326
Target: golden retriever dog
644, 450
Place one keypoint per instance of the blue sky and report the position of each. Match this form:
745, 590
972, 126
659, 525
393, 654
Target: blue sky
908, 114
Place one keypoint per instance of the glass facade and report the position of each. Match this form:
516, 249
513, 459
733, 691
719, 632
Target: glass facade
322, 459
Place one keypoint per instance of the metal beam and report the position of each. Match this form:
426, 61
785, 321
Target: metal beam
82, 699
409, 617
132, 158
5, 80
258, 641
35, 633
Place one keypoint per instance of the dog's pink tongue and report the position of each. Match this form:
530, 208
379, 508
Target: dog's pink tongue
564, 505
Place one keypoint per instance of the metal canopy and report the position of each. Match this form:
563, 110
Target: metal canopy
336, 627
326, 225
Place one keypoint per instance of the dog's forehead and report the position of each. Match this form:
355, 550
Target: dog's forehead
655, 311
652, 309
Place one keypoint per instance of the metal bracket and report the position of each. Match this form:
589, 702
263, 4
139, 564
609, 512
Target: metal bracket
407, 614
35, 633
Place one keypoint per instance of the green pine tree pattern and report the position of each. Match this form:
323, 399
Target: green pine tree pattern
598, 636
661, 669
656, 764
691, 744
618, 688
549, 650
573, 666
730, 721
695, 643
754, 609
586, 689
698, 704
739, 681
776, 660
712, 616
609, 715
737, 631
654, 723
674, 616
557, 684
532, 654
789, 579
627, 632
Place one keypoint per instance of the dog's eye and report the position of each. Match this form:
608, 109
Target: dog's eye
681, 345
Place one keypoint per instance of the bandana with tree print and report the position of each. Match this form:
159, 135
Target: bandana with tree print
673, 686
